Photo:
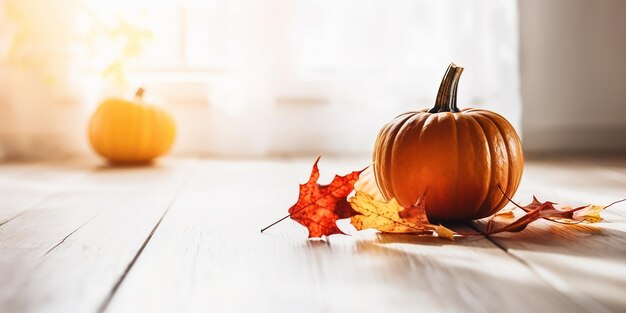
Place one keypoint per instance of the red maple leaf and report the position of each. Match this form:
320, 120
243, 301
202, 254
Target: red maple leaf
320, 206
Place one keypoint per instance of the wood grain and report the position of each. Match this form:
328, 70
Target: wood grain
586, 263
208, 255
24, 185
183, 236
68, 253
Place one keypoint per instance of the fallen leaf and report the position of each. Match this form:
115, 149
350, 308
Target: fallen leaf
444, 232
390, 217
320, 206
504, 213
547, 210
590, 214
534, 211
386, 216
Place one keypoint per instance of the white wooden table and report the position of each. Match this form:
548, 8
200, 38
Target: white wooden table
183, 236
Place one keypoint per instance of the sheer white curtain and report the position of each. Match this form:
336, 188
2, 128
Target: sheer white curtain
40, 109
297, 76
324, 76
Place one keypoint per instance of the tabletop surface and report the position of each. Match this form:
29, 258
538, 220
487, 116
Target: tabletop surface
183, 236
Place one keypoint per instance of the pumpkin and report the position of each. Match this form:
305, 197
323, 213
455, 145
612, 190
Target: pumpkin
131, 131
456, 159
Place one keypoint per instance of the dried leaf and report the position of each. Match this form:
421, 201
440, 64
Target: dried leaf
390, 217
547, 210
387, 216
590, 214
444, 232
320, 206
505, 213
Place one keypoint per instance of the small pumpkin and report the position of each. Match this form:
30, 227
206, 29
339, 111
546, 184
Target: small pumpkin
456, 159
131, 131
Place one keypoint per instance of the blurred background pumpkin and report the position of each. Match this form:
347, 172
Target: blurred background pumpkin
131, 131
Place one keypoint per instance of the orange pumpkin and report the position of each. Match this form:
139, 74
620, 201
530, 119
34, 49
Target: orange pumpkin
126, 131
456, 159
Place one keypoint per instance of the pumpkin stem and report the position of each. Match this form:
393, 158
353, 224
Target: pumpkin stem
139, 93
446, 97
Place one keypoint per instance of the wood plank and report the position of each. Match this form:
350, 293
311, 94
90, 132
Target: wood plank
24, 185
208, 255
70, 251
586, 263
602, 180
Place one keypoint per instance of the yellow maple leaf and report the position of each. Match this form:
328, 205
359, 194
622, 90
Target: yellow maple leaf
387, 216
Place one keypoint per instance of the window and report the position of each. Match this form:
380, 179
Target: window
305, 74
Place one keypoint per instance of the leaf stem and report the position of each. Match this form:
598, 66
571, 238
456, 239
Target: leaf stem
615, 202
289, 215
507, 197
280, 220
304, 207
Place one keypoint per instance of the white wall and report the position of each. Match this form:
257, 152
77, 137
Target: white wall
573, 66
